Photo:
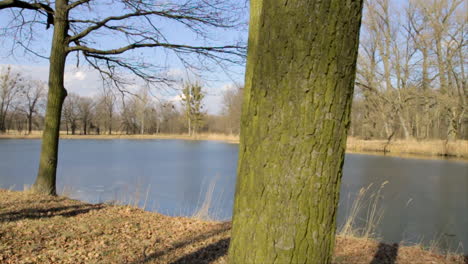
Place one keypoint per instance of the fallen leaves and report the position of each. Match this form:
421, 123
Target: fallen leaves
38, 229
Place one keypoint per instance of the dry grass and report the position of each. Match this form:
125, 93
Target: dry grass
44, 229
367, 200
352, 250
203, 212
63, 134
458, 148
355, 245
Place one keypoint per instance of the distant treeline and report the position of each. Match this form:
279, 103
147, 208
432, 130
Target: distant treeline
22, 104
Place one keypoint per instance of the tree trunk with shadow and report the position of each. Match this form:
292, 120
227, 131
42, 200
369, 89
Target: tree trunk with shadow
46, 177
295, 116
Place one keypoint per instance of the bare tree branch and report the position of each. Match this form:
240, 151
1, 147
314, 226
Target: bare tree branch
77, 3
32, 6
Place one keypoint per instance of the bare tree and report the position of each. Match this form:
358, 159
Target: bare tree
71, 112
85, 113
129, 116
411, 79
105, 109
11, 86
232, 105
33, 98
141, 103
171, 119
133, 24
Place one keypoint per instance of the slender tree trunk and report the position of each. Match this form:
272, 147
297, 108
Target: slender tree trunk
30, 123
406, 133
296, 112
386, 126
46, 177
441, 67
142, 124
189, 127
2, 120
452, 129
110, 123
425, 67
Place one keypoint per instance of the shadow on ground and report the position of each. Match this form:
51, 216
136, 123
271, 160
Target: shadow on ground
386, 254
34, 213
205, 254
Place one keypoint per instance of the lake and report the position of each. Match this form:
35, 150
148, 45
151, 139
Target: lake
423, 200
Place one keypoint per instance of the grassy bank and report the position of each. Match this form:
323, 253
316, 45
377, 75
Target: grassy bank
428, 148
64, 135
43, 229
413, 148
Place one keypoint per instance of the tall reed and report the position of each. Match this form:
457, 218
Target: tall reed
367, 201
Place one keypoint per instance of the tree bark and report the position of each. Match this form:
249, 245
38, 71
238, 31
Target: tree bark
46, 177
295, 116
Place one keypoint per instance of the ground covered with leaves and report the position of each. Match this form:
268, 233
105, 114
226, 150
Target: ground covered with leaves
43, 229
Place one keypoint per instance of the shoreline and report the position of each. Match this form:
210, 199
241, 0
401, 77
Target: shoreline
429, 149
46, 229
211, 137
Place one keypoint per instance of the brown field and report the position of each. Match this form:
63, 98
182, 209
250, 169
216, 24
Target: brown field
45, 229
410, 148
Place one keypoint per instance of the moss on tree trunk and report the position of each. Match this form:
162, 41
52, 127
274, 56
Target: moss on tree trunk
296, 112
46, 177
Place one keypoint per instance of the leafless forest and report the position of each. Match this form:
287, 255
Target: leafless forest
411, 83
411, 79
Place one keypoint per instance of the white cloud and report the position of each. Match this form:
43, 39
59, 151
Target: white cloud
214, 97
175, 98
228, 86
175, 73
79, 75
84, 82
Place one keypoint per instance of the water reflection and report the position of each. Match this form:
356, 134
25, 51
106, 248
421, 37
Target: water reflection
422, 201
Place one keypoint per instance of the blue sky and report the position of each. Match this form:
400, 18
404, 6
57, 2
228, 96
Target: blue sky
85, 81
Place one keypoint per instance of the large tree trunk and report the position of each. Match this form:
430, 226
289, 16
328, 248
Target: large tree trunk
45, 181
299, 86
